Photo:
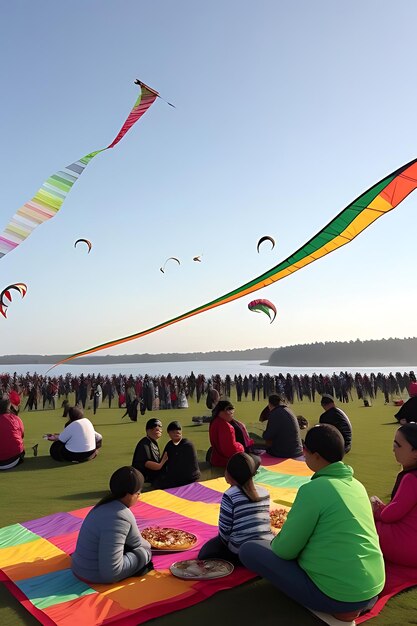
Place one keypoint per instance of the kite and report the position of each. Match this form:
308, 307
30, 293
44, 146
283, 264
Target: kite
89, 244
171, 258
381, 198
266, 238
197, 258
50, 197
264, 306
20, 287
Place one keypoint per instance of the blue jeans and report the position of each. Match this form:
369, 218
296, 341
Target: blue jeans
292, 580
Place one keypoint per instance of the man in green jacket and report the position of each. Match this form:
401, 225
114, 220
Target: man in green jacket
327, 555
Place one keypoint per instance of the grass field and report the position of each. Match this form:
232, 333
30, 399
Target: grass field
41, 486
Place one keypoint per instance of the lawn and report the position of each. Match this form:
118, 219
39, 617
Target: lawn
41, 486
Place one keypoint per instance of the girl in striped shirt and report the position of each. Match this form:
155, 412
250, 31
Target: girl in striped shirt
244, 511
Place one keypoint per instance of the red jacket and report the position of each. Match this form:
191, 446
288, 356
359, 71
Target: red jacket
11, 436
223, 442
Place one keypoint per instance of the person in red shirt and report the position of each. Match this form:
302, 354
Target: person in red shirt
224, 433
12, 449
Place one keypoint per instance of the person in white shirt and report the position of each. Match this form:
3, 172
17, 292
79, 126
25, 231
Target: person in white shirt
78, 441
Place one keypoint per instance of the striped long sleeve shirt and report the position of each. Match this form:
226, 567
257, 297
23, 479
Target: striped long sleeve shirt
241, 520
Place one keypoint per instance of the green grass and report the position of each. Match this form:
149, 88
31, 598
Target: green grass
41, 486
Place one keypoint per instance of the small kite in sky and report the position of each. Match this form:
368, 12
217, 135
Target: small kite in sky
376, 201
87, 241
263, 306
50, 197
171, 258
265, 238
6, 295
197, 258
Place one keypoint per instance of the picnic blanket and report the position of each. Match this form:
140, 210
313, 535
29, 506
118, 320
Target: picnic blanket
35, 561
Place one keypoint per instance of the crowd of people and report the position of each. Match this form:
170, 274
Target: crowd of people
329, 554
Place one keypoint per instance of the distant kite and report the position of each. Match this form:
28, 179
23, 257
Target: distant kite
264, 306
171, 258
348, 224
5, 294
50, 197
266, 238
87, 241
197, 258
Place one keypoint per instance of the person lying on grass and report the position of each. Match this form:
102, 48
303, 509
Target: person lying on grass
396, 522
110, 546
327, 555
244, 511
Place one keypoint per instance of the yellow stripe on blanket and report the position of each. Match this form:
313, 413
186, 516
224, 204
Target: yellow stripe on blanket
201, 511
22, 560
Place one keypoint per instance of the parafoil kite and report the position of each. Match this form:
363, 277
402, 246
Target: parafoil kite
348, 224
266, 238
6, 295
50, 197
87, 241
264, 306
171, 258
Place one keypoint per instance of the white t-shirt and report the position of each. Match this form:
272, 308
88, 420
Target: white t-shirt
80, 436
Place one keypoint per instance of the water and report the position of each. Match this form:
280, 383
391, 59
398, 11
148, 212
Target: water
208, 368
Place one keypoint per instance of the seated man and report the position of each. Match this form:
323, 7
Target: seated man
337, 418
408, 411
147, 456
282, 435
182, 465
12, 449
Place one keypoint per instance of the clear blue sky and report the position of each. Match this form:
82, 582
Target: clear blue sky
286, 111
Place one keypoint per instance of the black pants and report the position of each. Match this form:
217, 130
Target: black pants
59, 452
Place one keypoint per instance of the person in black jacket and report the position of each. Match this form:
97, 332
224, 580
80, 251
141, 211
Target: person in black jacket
337, 418
408, 411
182, 465
147, 458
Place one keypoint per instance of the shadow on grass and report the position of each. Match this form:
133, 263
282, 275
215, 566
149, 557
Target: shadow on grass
33, 463
85, 495
195, 426
391, 424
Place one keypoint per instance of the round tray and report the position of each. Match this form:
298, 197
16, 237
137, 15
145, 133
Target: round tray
198, 569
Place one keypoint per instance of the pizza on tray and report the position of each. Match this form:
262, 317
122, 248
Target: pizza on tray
169, 538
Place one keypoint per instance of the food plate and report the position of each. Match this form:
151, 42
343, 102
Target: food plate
169, 539
198, 569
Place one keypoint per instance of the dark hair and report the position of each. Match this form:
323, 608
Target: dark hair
126, 479
153, 422
242, 467
75, 413
276, 399
222, 405
327, 441
326, 399
4, 405
410, 433
174, 426
302, 422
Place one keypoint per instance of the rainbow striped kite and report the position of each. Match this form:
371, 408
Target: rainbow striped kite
50, 197
355, 218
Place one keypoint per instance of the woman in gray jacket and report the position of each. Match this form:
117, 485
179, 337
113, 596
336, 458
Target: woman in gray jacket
110, 546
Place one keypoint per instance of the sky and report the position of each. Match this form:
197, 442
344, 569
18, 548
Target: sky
285, 112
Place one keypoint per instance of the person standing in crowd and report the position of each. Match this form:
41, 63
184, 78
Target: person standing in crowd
12, 432
282, 435
396, 522
110, 547
147, 456
78, 442
408, 411
338, 418
244, 511
182, 465
327, 555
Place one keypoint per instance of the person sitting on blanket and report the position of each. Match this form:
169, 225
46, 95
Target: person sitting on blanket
281, 438
182, 465
147, 456
244, 511
408, 411
396, 522
227, 435
109, 545
327, 555
12, 432
78, 442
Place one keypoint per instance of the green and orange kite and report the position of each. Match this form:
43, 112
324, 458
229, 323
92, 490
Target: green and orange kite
348, 224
